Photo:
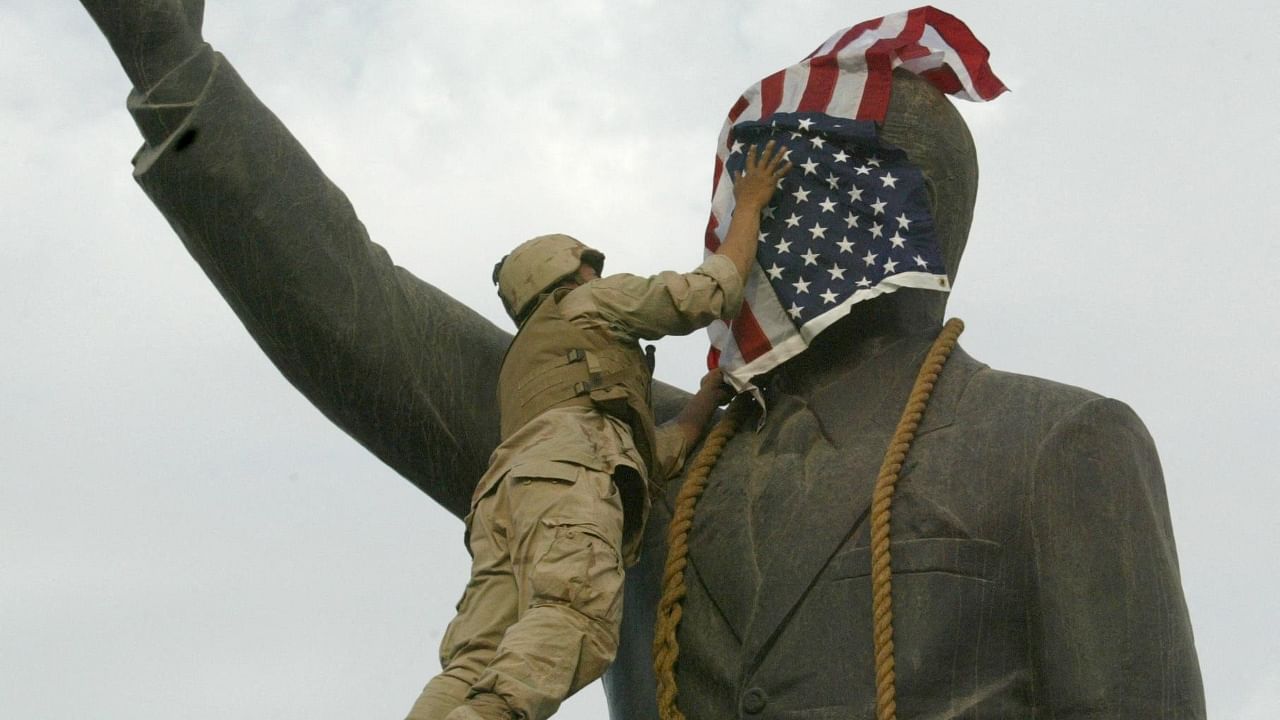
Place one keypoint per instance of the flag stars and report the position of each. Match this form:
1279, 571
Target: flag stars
865, 191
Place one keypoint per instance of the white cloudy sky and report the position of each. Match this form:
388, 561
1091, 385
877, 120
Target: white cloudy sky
181, 534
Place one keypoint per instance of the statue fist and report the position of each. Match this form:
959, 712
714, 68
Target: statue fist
149, 37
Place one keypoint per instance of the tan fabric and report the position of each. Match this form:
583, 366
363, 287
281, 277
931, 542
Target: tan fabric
627, 307
539, 618
547, 531
555, 363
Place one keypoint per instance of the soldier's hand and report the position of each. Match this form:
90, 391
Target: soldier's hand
149, 37
714, 387
755, 185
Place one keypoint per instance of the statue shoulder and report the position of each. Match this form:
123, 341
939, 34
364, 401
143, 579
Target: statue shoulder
1032, 418
1015, 399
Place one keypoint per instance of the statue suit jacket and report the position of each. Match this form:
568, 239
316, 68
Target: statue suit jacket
1035, 573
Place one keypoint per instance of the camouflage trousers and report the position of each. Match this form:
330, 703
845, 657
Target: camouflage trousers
541, 614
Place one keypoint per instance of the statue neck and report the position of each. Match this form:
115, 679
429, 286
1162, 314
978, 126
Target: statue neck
897, 323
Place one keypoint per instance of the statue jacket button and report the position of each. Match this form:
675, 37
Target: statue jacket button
754, 701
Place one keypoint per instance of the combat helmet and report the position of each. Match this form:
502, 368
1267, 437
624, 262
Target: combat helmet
538, 265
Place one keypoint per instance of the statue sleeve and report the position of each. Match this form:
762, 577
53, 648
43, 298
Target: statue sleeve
1111, 635
399, 365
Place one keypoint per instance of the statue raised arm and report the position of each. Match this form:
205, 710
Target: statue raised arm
399, 365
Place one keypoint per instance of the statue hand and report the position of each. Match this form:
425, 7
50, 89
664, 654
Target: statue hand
149, 37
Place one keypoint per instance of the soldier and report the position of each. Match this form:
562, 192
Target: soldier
558, 515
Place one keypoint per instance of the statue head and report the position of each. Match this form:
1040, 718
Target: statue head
539, 265
925, 124
890, 141
928, 127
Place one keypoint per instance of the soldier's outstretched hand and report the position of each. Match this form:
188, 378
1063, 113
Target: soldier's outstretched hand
755, 185
149, 37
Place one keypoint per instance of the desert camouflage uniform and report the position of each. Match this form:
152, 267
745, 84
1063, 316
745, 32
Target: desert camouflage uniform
540, 616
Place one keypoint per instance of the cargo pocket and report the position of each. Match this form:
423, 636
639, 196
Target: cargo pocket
580, 569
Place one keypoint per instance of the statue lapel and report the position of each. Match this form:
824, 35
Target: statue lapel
720, 541
782, 501
825, 495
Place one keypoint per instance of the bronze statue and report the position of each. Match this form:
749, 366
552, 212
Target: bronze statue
1035, 568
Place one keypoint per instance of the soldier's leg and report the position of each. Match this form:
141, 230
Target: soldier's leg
488, 606
564, 542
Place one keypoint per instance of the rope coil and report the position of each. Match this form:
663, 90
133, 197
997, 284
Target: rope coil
881, 515
666, 648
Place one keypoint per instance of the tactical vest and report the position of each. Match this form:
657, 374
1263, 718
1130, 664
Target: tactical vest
553, 363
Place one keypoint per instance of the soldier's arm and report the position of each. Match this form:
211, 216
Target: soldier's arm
398, 364
1112, 638
683, 433
752, 190
678, 303
669, 303
697, 413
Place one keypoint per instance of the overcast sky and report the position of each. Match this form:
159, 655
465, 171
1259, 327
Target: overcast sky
183, 535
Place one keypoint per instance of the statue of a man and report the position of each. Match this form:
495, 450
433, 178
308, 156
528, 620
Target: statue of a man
1034, 564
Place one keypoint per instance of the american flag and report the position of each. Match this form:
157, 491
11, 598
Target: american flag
851, 220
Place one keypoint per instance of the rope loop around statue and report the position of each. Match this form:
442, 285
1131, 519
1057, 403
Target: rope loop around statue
666, 648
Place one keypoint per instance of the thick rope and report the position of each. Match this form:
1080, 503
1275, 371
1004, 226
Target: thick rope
666, 649
881, 500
